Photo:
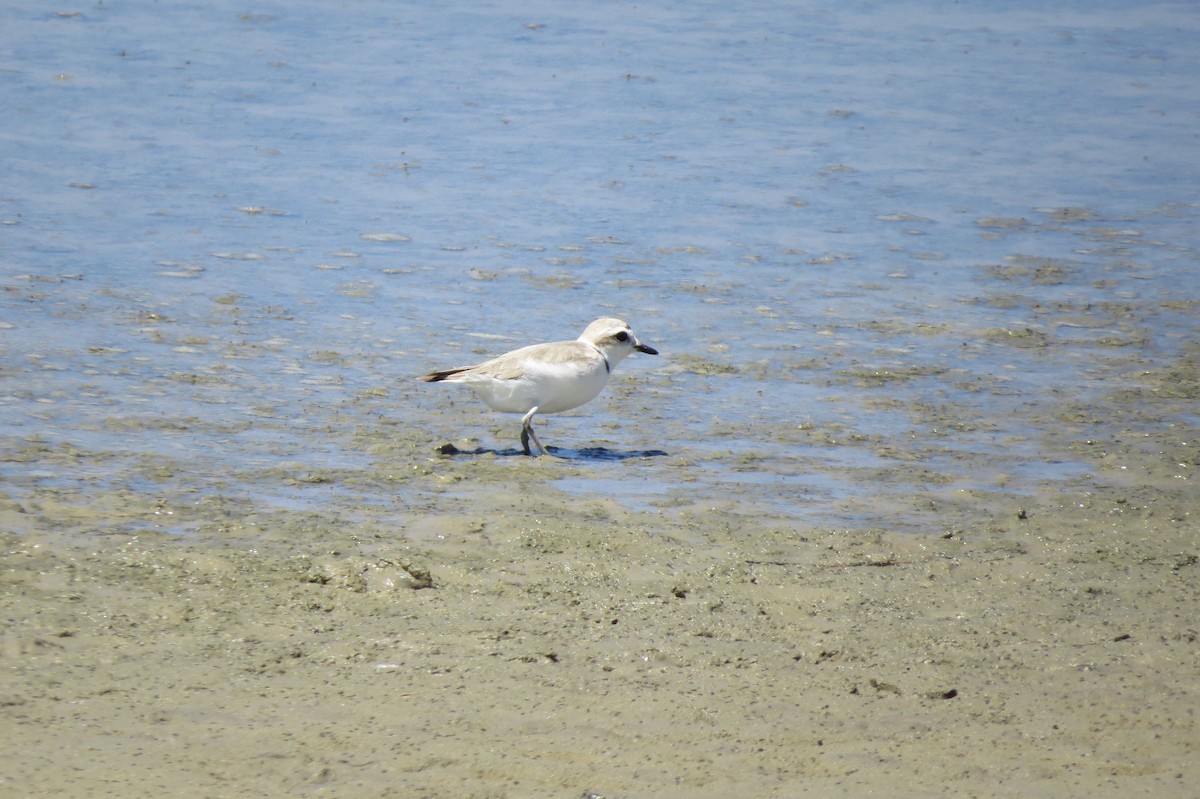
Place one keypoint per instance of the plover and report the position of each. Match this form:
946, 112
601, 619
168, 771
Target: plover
548, 378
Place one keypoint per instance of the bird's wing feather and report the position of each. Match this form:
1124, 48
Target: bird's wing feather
522, 362
519, 363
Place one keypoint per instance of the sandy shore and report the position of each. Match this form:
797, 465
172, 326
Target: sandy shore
568, 647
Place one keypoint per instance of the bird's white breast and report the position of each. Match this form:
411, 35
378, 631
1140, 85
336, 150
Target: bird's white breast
560, 389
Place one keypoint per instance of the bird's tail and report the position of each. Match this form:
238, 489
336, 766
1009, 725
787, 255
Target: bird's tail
437, 377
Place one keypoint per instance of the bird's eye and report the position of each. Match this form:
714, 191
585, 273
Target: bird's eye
622, 336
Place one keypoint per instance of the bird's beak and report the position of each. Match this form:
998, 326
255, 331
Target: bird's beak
640, 347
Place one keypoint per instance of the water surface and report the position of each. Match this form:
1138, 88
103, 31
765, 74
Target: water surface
890, 253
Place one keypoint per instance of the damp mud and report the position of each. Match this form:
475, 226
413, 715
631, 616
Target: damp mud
905, 507
510, 639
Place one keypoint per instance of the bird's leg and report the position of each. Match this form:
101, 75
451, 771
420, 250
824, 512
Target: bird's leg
541, 449
527, 432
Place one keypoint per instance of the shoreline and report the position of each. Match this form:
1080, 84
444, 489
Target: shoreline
569, 646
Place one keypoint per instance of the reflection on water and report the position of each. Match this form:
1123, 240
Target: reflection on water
902, 259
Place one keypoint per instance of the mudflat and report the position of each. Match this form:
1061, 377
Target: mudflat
518, 642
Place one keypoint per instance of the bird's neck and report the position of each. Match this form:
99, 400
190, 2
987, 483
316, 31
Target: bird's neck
604, 355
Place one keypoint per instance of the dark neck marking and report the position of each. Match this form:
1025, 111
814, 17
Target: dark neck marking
607, 365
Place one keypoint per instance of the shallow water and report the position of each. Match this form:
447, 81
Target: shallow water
889, 254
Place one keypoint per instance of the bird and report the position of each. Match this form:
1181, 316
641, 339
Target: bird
548, 378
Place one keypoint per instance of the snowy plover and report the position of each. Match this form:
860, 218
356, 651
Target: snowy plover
548, 378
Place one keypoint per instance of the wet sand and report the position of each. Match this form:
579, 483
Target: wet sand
517, 642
